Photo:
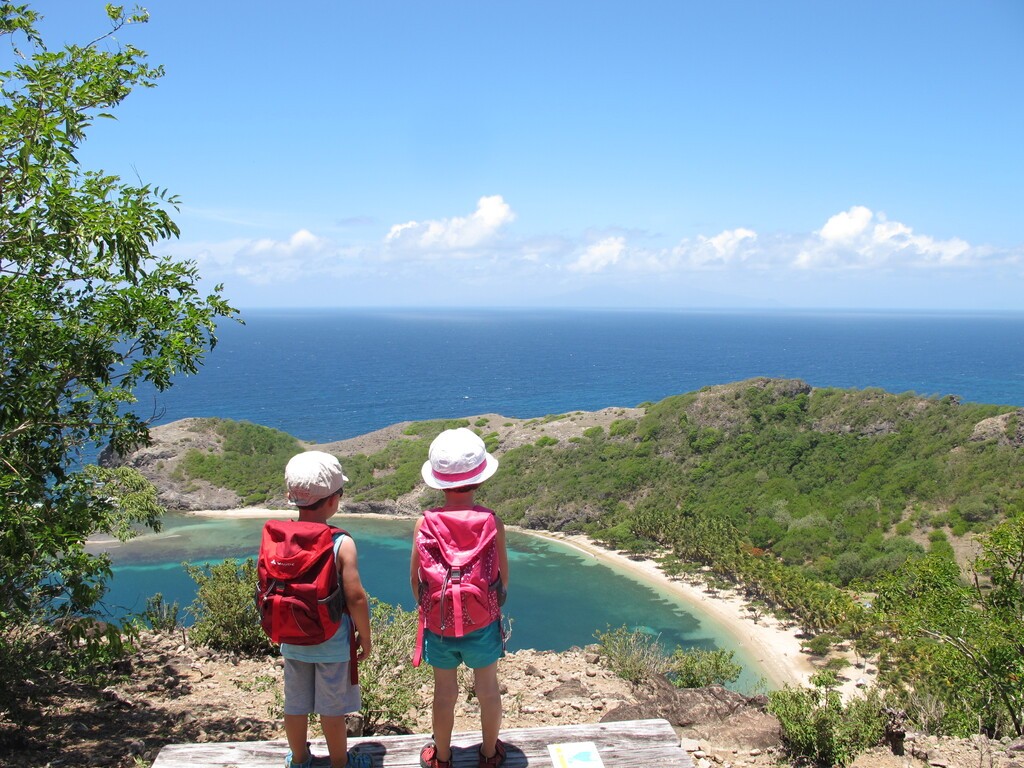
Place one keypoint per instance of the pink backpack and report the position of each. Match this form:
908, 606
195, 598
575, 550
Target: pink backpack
460, 586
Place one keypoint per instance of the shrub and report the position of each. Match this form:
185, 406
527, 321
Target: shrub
631, 654
698, 668
817, 728
95, 649
161, 616
225, 609
389, 683
251, 462
545, 441
622, 427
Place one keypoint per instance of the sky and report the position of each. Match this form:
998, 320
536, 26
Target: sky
684, 154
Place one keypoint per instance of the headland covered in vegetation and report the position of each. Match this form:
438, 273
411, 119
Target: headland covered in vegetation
887, 525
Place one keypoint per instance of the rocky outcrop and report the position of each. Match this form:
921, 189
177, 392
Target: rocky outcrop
160, 462
713, 715
1006, 429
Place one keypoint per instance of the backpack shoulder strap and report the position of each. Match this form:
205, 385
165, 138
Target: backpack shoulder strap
339, 535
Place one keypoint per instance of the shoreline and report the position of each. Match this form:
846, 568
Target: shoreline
774, 647
769, 644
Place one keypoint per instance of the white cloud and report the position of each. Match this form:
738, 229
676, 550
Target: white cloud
600, 255
846, 226
859, 238
854, 239
459, 233
730, 246
299, 243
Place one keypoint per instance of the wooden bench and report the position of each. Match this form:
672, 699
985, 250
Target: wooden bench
649, 743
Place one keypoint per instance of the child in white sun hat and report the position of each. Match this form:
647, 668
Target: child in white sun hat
459, 575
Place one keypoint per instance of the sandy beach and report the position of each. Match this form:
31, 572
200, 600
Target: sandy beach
774, 646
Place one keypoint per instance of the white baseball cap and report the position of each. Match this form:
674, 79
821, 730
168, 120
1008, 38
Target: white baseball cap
312, 476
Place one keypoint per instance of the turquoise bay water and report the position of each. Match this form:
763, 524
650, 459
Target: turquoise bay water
558, 595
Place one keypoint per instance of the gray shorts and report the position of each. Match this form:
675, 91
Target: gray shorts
322, 688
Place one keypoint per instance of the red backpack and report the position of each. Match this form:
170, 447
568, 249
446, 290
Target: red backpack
299, 594
460, 587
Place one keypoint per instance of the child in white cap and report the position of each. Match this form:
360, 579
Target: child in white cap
459, 574
317, 677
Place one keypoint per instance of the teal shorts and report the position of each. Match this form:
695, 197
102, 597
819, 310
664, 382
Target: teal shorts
478, 649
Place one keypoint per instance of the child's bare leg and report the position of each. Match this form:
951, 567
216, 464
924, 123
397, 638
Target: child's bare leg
446, 695
488, 695
336, 732
296, 729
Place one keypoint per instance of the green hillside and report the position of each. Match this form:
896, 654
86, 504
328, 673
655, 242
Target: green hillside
859, 514
844, 484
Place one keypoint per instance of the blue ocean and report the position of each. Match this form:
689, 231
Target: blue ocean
328, 375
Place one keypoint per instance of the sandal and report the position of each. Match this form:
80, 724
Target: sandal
359, 760
494, 761
311, 761
429, 758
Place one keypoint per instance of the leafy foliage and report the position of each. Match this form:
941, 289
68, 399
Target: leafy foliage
963, 644
161, 616
637, 657
699, 668
225, 612
87, 312
818, 728
389, 683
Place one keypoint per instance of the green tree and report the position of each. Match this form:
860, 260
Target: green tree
87, 313
972, 633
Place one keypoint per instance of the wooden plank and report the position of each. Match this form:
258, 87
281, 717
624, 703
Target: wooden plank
650, 743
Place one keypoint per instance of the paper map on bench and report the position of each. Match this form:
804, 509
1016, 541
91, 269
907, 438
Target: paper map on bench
581, 754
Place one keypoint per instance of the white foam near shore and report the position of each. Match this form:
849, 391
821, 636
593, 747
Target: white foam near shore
773, 645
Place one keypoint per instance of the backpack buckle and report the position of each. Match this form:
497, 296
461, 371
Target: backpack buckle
456, 575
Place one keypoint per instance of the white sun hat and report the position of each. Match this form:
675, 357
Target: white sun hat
457, 457
312, 476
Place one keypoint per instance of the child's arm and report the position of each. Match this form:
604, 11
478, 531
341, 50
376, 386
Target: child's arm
502, 552
355, 596
414, 564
